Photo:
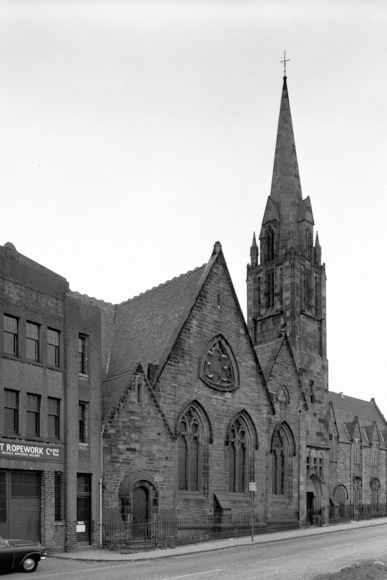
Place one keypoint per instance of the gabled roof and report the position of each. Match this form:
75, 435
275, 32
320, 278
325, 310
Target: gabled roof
271, 212
305, 211
267, 356
114, 391
347, 409
147, 327
146, 323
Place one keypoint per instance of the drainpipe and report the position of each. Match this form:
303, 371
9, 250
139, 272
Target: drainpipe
100, 489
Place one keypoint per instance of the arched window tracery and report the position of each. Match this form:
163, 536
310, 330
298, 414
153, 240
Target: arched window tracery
238, 452
282, 450
190, 442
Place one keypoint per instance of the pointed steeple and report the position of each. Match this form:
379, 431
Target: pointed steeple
254, 252
286, 184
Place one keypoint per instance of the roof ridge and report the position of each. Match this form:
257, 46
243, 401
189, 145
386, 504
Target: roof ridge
160, 285
78, 295
343, 395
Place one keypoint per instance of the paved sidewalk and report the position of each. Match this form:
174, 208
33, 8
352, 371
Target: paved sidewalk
100, 555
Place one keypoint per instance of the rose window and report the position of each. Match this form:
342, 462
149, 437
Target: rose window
218, 366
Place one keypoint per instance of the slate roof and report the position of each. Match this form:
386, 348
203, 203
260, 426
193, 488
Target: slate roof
144, 325
114, 390
347, 408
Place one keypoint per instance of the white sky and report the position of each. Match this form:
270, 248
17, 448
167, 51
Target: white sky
133, 135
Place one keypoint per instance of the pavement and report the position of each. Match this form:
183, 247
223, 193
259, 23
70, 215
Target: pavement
102, 555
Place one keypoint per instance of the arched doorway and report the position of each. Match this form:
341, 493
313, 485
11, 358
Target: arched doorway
313, 500
141, 511
139, 502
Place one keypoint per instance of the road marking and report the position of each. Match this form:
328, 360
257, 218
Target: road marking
195, 574
280, 558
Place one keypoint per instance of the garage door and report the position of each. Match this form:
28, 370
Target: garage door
20, 504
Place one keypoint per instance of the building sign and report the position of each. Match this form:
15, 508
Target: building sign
15, 449
252, 486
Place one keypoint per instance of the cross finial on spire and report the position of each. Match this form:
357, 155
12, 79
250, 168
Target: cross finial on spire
284, 61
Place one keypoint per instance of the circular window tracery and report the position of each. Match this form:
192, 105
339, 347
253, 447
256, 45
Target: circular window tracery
218, 369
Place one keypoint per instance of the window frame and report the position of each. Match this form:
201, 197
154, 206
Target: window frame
34, 414
83, 422
11, 322
52, 347
15, 430
55, 420
185, 462
31, 340
83, 354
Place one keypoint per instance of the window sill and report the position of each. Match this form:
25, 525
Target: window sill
83, 376
84, 446
54, 368
33, 362
58, 523
195, 495
11, 356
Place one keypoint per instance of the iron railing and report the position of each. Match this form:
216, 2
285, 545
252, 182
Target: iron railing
356, 512
128, 537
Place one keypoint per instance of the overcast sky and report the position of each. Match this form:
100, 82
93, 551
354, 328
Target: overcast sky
133, 135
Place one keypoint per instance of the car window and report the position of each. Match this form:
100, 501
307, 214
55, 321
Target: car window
3, 543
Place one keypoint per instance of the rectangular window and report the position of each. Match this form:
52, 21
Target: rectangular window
32, 341
11, 342
53, 414
53, 353
33, 415
11, 411
83, 422
82, 354
58, 497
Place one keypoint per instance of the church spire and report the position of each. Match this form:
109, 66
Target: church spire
286, 184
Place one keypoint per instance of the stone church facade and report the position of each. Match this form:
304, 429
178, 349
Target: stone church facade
196, 403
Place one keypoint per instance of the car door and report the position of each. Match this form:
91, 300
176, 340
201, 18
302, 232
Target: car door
7, 555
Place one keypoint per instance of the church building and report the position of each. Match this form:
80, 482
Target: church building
172, 404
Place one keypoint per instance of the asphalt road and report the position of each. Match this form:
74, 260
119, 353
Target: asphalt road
292, 559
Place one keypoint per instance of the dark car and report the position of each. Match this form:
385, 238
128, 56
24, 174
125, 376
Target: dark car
22, 554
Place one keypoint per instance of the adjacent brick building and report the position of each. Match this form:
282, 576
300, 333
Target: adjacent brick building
50, 464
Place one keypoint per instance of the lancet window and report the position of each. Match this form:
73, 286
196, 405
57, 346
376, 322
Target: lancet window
190, 441
238, 453
282, 451
270, 244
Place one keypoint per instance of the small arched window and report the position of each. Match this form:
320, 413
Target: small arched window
270, 244
320, 465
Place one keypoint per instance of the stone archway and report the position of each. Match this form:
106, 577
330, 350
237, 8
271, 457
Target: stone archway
313, 500
139, 498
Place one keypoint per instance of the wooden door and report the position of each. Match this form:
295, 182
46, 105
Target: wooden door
140, 512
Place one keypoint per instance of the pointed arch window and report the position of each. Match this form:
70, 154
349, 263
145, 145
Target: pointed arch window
375, 485
356, 452
189, 451
282, 450
238, 452
374, 454
357, 491
270, 288
270, 244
